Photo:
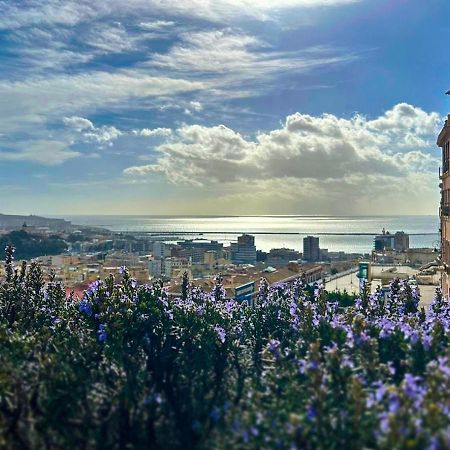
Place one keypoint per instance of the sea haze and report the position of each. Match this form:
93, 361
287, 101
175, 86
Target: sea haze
336, 233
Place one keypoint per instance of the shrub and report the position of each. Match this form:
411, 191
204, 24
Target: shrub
129, 366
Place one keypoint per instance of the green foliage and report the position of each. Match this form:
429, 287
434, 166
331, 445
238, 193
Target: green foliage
130, 367
29, 245
343, 298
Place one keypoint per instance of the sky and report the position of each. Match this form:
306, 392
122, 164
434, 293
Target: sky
222, 106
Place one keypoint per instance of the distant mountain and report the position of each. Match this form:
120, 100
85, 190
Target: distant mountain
11, 222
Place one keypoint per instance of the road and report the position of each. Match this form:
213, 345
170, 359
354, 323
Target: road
350, 283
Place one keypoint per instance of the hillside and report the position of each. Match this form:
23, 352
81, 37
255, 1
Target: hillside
30, 245
10, 222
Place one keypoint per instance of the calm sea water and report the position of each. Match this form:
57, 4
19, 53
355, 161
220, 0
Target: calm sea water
336, 233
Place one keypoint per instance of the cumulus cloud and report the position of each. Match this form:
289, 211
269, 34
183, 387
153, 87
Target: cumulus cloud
148, 132
305, 148
103, 134
90, 132
78, 123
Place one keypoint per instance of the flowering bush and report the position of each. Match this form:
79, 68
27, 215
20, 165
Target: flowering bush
129, 366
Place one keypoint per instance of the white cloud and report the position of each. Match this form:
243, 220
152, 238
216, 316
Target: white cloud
193, 106
90, 132
148, 132
157, 25
46, 152
16, 14
196, 106
108, 38
328, 155
78, 123
237, 63
36, 100
103, 134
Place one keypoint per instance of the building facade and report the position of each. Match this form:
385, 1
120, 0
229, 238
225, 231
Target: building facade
176, 266
311, 249
383, 241
444, 212
244, 250
401, 241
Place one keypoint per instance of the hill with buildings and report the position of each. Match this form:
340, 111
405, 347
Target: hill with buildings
30, 245
11, 222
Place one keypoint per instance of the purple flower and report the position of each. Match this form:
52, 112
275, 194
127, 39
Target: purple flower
230, 305
434, 444
293, 310
215, 414
93, 287
427, 340
311, 413
85, 307
221, 334
102, 334
347, 362
393, 403
200, 310
273, 346
391, 368
384, 423
301, 366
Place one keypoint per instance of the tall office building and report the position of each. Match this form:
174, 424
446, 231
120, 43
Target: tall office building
401, 241
244, 250
443, 142
384, 241
311, 249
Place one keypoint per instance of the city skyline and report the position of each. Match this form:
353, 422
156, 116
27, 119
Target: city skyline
231, 107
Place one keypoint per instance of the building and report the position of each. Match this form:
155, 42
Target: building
401, 241
244, 250
155, 267
210, 258
413, 257
443, 142
174, 267
383, 241
161, 250
279, 257
245, 293
387, 241
311, 249
196, 249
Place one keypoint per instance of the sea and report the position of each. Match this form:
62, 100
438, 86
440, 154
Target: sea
351, 234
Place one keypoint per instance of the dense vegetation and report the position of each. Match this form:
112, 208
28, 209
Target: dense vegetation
128, 367
30, 245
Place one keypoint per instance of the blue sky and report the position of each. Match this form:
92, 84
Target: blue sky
222, 107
